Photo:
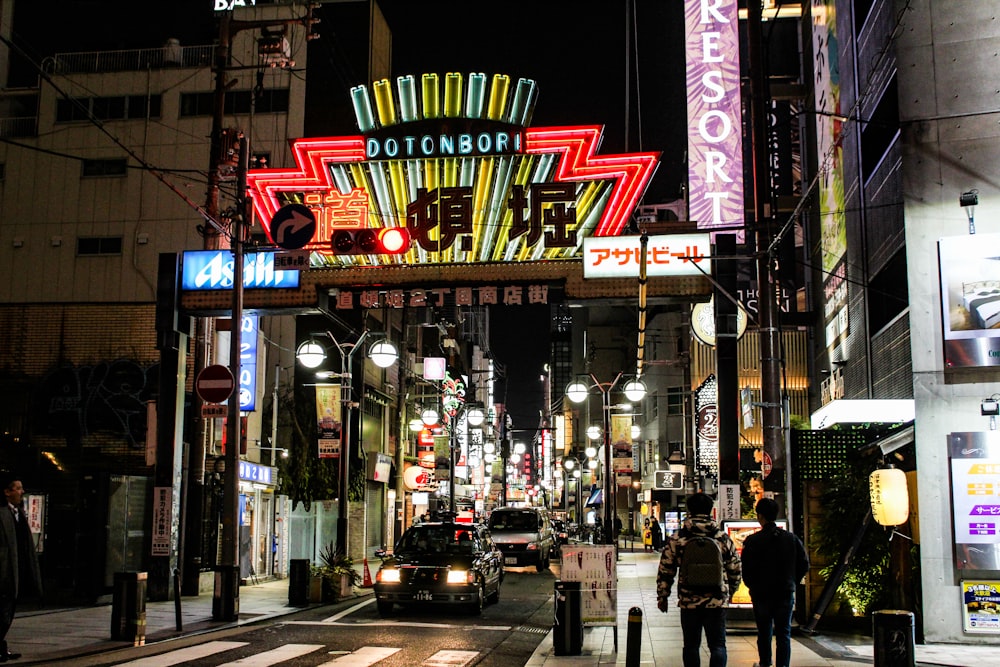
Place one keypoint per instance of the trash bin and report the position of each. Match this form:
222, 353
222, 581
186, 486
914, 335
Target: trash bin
128, 607
894, 638
299, 573
567, 630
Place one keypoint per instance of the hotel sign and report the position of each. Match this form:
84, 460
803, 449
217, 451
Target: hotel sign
715, 144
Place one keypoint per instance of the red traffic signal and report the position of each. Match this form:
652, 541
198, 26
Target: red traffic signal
385, 241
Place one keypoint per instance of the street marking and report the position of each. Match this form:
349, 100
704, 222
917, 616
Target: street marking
185, 654
363, 657
349, 610
404, 624
450, 658
276, 655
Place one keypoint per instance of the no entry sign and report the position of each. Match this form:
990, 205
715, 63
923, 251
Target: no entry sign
214, 384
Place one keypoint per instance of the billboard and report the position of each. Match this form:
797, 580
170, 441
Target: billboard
970, 299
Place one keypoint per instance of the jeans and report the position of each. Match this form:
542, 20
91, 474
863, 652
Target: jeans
774, 615
713, 622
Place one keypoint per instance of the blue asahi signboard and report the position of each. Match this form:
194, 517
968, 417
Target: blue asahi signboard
213, 270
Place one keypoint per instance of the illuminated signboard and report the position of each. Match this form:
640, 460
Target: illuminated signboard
715, 145
452, 160
970, 299
673, 255
248, 364
213, 270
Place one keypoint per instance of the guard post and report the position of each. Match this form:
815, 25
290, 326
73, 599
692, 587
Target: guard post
633, 637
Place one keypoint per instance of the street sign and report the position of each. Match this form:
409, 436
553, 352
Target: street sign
214, 384
214, 410
293, 260
293, 226
668, 479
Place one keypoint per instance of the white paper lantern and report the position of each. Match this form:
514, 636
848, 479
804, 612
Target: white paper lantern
890, 502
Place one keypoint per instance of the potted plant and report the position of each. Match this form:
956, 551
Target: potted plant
337, 573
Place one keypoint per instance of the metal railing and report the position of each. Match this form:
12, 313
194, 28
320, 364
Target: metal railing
97, 62
19, 127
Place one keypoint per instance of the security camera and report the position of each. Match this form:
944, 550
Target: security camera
990, 407
970, 198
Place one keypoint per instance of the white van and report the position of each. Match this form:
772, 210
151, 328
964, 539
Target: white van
524, 536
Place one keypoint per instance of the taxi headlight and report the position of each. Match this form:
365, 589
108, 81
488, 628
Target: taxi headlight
460, 577
390, 576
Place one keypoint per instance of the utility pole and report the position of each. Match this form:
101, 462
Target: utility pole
767, 307
191, 522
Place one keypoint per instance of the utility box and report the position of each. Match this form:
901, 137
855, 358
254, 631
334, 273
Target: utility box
128, 607
299, 574
567, 630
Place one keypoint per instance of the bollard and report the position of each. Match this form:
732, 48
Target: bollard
177, 601
633, 639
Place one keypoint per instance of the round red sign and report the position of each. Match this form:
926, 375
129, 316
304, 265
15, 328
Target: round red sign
214, 384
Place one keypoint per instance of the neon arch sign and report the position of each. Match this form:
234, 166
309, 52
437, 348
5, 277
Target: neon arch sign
471, 182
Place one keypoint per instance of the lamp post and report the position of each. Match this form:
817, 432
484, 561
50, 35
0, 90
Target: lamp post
473, 415
577, 391
311, 354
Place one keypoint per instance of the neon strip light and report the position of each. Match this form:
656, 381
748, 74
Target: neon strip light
579, 162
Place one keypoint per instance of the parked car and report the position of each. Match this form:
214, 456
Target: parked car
440, 563
524, 535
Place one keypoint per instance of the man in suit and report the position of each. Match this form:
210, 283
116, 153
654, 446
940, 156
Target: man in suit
19, 573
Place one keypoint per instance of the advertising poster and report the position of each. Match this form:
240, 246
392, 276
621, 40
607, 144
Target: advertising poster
329, 425
981, 606
593, 565
739, 531
975, 479
970, 299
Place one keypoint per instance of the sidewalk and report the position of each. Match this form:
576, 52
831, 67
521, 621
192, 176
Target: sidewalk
52, 635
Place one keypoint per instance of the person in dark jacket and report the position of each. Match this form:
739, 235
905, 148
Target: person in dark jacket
774, 562
19, 573
701, 610
656, 534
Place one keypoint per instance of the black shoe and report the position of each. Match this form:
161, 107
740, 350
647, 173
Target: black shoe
9, 655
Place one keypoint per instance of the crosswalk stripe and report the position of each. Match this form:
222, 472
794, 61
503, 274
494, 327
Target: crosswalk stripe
363, 657
184, 654
275, 655
450, 658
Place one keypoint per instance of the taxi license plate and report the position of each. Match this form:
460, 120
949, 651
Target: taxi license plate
423, 595
510, 560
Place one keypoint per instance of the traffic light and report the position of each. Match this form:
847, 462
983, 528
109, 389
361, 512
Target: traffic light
385, 241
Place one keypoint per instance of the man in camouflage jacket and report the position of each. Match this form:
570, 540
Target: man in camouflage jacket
700, 611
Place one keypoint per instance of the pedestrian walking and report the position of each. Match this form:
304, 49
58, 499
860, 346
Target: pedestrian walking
19, 573
703, 560
774, 562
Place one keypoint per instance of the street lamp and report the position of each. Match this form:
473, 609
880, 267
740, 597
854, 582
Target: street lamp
574, 472
311, 354
474, 416
577, 391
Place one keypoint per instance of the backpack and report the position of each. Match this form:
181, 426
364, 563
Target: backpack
701, 566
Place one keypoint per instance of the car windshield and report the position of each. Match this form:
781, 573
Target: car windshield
436, 540
513, 521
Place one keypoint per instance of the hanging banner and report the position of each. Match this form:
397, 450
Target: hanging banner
329, 424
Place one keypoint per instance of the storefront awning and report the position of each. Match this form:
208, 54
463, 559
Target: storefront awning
864, 411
